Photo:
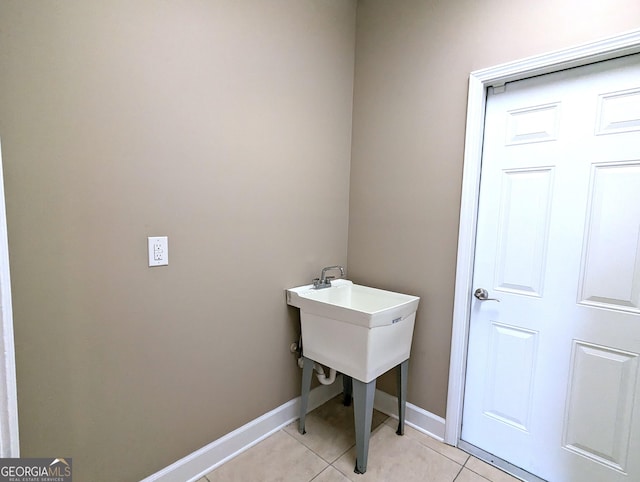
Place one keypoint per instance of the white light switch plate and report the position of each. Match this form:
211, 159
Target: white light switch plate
158, 251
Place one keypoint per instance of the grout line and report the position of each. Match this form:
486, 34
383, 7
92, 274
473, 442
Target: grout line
417, 440
328, 462
458, 474
479, 475
301, 442
294, 438
340, 471
342, 454
472, 471
320, 473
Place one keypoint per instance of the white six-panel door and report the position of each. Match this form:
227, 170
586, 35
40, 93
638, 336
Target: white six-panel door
553, 367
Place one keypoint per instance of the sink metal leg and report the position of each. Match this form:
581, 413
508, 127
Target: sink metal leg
402, 374
307, 372
347, 389
363, 394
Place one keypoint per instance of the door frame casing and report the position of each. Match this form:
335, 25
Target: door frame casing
9, 439
479, 81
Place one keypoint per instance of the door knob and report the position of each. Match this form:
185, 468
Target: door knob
483, 295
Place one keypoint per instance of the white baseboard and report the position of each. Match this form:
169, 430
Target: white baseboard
415, 417
204, 460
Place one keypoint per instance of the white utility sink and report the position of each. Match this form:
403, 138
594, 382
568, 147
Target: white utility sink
360, 331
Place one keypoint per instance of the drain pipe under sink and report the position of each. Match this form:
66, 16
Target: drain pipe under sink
320, 374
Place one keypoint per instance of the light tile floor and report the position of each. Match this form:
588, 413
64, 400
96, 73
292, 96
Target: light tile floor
326, 453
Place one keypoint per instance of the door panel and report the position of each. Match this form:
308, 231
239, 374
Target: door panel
611, 261
552, 368
533, 124
600, 431
618, 112
523, 229
509, 393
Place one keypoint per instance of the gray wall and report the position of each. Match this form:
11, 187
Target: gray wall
225, 125
413, 61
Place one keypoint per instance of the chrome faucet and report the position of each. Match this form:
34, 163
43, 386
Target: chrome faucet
325, 281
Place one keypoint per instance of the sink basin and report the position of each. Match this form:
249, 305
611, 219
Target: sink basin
358, 330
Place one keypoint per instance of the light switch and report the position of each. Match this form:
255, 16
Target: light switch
158, 251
